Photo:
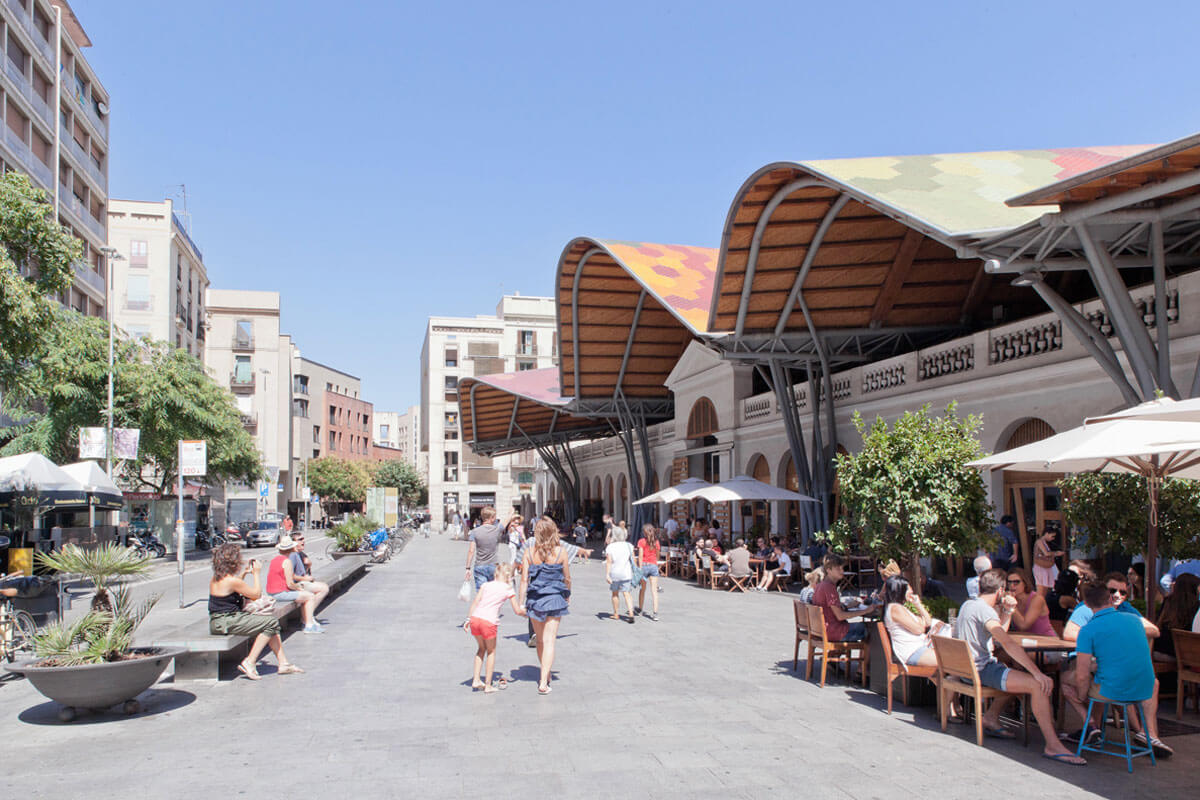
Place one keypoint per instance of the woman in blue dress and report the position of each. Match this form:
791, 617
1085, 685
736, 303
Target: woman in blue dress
545, 590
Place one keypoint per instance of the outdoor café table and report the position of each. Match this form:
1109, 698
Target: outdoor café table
756, 564
1040, 645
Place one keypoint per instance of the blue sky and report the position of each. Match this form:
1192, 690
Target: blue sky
378, 162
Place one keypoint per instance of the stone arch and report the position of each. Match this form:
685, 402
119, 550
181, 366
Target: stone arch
623, 499
1032, 499
702, 419
757, 513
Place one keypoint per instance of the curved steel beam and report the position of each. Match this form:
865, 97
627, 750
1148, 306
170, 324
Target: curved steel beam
760, 227
813, 246
575, 312
637, 315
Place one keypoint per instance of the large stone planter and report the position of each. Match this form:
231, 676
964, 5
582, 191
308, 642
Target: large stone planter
98, 686
349, 554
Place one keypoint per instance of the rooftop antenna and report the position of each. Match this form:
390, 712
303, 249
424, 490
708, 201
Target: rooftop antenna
187, 218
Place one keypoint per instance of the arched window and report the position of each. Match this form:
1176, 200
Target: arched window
702, 421
756, 513
1028, 432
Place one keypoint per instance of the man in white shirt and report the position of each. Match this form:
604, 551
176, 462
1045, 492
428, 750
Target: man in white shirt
671, 527
784, 568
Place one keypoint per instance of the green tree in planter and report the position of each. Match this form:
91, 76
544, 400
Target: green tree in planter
403, 477
1110, 512
337, 480
909, 491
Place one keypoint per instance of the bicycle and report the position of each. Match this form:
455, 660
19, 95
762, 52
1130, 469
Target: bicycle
17, 628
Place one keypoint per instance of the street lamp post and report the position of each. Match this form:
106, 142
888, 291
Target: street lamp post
266, 405
110, 255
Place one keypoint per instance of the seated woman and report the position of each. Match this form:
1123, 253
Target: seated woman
283, 586
812, 578
909, 631
227, 594
1178, 611
1031, 615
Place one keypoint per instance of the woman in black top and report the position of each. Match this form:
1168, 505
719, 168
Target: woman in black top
227, 594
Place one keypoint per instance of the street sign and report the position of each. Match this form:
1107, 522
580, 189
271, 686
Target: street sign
263, 488
193, 458
93, 443
306, 494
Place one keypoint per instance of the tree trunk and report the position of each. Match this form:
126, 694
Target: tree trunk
914, 572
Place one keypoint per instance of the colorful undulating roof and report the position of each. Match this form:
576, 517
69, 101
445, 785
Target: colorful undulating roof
962, 193
679, 275
538, 385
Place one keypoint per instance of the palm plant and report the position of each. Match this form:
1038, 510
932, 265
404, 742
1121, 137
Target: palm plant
103, 566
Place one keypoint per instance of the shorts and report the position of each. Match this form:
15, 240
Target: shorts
289, 596
995, 676
481, 627
483, 573
621, 586
1045, 576
650, 570
243, 623
915, 658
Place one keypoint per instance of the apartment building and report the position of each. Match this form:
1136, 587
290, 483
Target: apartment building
521, 335
159, 281
387, 429
58, 138
244, 350
400, 431
311, 382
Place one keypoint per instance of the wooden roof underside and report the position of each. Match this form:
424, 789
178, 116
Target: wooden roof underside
487, 418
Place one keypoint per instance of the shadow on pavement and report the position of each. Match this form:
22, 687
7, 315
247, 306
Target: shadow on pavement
153, 702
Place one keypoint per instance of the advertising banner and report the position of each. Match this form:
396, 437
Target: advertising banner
93, 443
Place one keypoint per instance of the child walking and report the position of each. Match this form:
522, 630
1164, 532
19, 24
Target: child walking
483, 620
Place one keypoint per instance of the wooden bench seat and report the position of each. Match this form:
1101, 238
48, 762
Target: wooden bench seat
205, 652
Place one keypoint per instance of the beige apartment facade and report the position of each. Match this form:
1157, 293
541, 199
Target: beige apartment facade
311, 382
245, 351
159, 281
58, 138
521, 335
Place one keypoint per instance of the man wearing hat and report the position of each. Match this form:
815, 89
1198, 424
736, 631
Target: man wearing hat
283, 586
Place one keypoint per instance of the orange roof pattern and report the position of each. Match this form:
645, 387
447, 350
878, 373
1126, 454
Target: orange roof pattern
680, 276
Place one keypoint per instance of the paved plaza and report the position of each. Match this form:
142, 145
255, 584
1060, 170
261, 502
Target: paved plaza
700, 704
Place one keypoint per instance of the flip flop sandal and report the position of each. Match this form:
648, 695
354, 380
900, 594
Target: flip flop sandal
999, 733
503, 683
547, 690
1066, 758
490, 690
249, 672
290, 669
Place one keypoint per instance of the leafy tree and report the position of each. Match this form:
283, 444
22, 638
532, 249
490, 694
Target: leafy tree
157, 388
1110, 512
909, 491
33, 243
404, 477
337, 480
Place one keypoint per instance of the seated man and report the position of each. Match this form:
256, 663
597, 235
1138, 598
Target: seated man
784, 567
302, 572
1114, 645
738, 560
982, 564
982, 623
837, 629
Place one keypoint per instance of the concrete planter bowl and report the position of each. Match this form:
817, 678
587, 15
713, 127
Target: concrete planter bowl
336, 554
99, 686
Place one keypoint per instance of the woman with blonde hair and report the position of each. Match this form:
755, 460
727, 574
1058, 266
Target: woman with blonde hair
545, 591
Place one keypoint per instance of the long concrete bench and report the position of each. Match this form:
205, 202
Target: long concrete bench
206, 652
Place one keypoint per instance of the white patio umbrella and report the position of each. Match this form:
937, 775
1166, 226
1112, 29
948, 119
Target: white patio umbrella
744, 487
673, 493
1162, 408
1154, 449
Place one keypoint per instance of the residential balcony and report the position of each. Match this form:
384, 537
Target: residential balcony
84, 160
242, 343
17, 77
250, 422
25, 159
22, 17
75, 206
241, 383
300, 388
88, 277
450, 475
145, 303
527, 350
200, 332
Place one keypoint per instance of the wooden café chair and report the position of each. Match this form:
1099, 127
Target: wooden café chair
1187, 663
842, 652
716, 577
739, 581
801, 611
897, 669
956, 674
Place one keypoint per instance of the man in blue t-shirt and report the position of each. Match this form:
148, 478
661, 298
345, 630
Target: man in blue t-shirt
1189, 567
1113, 645
1002, 558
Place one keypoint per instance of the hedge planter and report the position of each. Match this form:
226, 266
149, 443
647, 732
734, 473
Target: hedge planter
99, 686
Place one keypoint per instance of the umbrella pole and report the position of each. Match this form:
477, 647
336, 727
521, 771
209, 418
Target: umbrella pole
1152, 549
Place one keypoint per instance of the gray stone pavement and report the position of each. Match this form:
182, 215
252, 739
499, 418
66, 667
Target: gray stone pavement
700, 704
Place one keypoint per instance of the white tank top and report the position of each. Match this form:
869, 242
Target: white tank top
904, 643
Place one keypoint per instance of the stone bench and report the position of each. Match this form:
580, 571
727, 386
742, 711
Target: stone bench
206, 652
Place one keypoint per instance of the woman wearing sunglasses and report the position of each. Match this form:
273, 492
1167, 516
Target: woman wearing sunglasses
1031, 614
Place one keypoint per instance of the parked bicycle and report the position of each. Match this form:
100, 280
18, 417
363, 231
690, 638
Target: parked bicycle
17, 628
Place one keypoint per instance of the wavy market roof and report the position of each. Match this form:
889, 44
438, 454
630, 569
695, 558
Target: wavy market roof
632, 308
873, 243
514, 411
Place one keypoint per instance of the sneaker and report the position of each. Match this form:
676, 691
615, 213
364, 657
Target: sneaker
532, 641
1094, 737
314, 628
654, 617
637, 609
1161, 749
632, 618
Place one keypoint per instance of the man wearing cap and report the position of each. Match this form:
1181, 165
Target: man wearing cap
302, 568
282, 585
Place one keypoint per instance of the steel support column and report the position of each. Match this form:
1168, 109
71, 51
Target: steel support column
1158, 254
782, 386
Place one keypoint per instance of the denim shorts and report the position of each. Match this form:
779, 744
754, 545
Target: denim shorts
288, 596
621, 586
995, 675
650, 570
915, 658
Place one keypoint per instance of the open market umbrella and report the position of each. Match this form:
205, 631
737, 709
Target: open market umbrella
1154, 449
673, 493
1162, 408
744, 487
102, 492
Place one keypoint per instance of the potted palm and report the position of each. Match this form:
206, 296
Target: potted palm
91, 662
348, 537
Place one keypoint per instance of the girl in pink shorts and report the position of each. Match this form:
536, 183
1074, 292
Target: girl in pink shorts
483, 620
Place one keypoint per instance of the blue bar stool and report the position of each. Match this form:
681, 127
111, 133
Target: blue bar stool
1129, 752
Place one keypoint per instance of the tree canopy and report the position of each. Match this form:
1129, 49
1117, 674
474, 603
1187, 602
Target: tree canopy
404, 477
36, 254
1110, 512
338, 480
909, 491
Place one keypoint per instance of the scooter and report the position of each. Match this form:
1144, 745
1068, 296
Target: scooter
146, 543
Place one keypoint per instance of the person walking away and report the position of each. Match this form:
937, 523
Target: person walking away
1045, 571
983, 623
483, 621
1002, 558
282, 585
545, 593
648, 550
618, 572
580, 533
227, 595
482, 551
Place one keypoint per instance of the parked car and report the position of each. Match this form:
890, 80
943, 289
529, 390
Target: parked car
265, 533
